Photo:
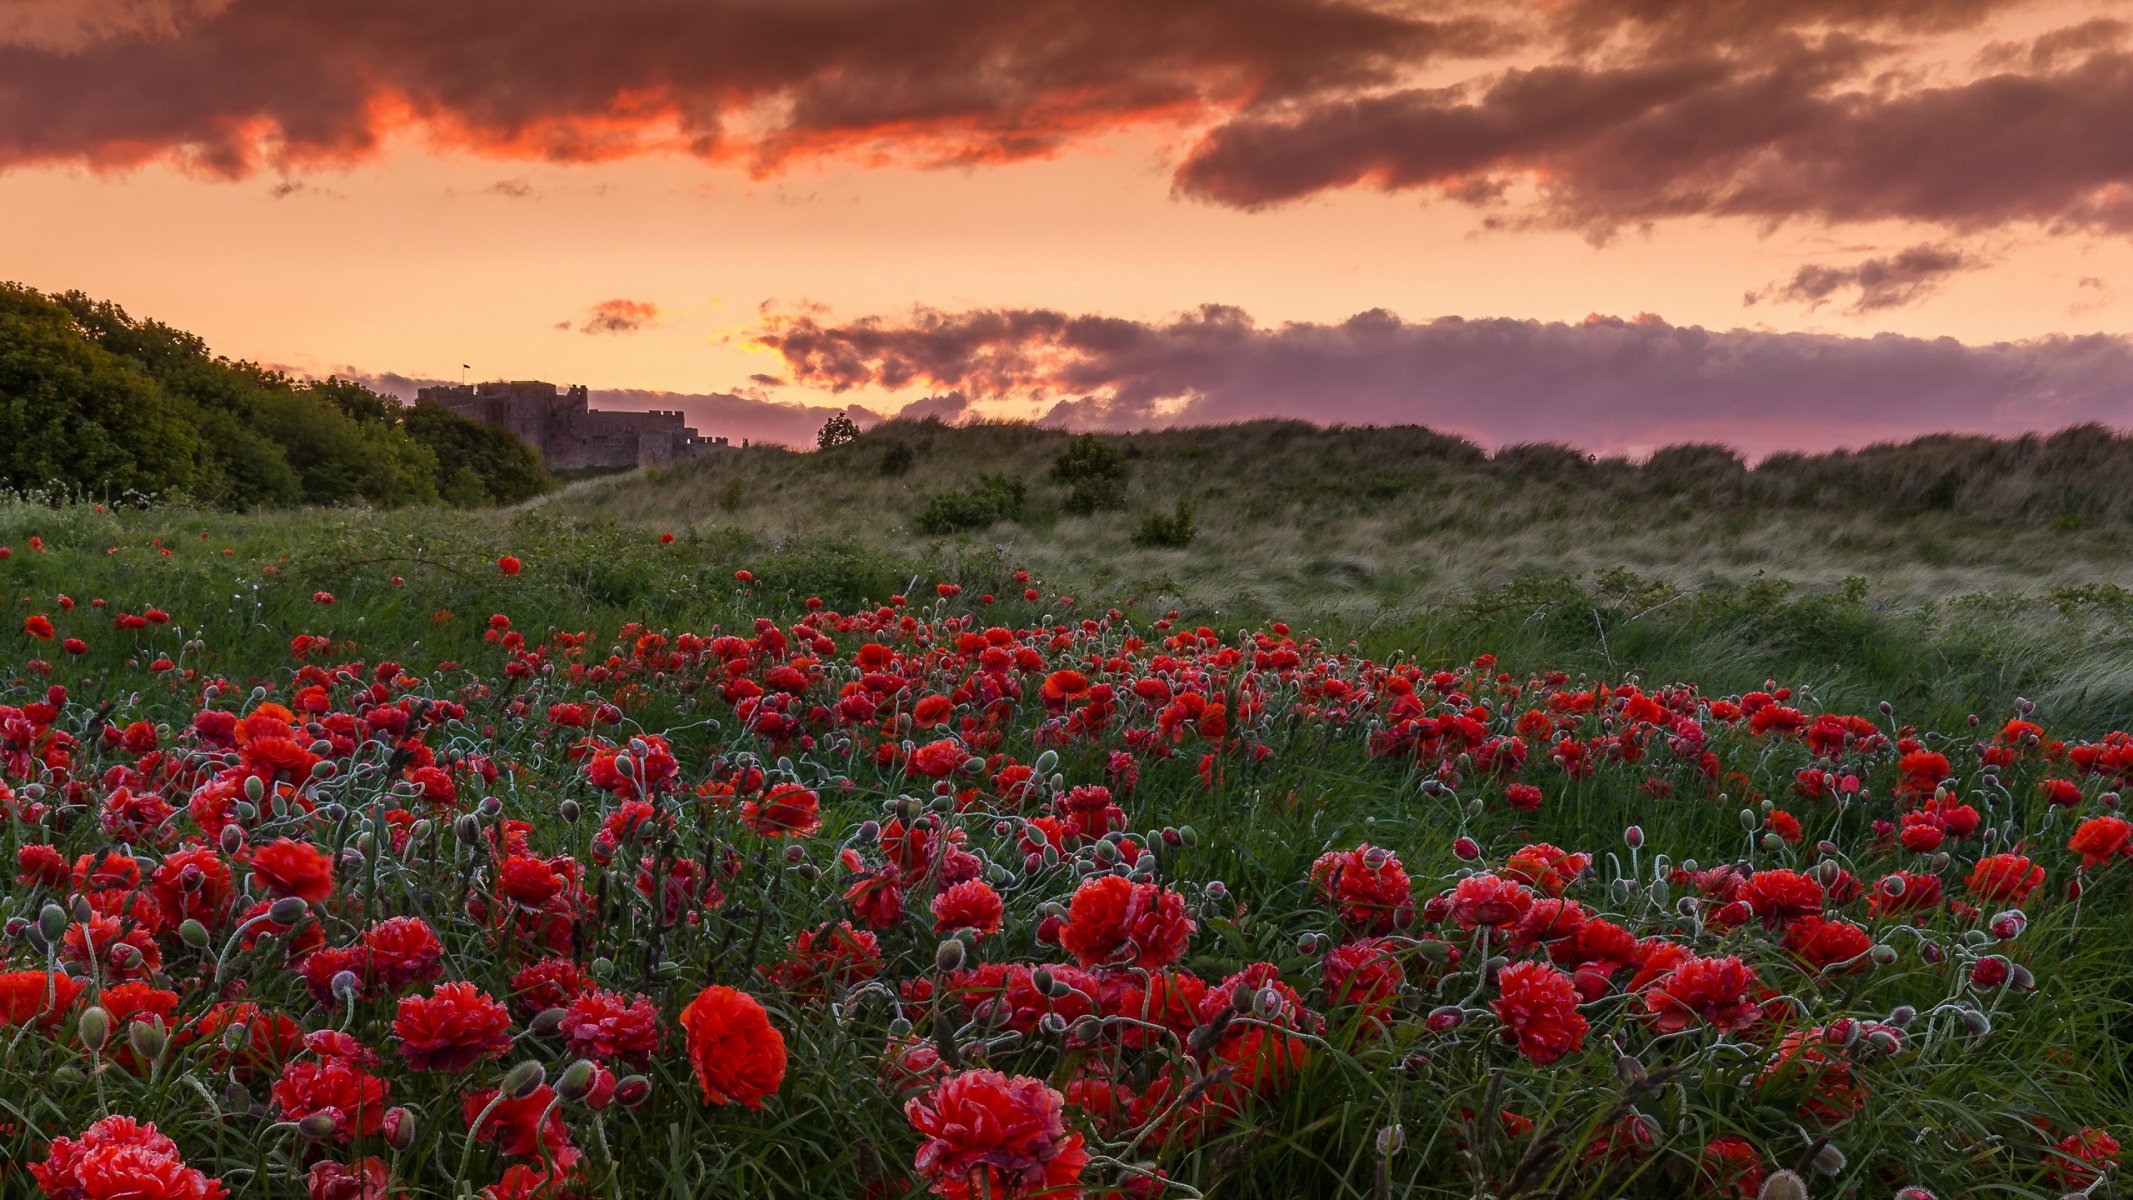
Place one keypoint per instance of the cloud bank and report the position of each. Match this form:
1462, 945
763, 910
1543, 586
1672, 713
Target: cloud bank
1607, 384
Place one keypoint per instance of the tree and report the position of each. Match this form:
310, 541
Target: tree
73, 414
836, 431
509, 470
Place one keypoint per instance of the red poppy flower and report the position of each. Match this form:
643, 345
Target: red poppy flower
787, 810
607, 1026
1707, 991
971, 904
119, 1158
2004, 878
739, 1056
286, 867
1538, 1007
998, 1137
452, 1028
1114, 921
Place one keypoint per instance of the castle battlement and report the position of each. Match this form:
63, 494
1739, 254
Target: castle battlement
567, 430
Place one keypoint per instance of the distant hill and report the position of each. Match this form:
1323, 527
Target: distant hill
1284, 508
97, 403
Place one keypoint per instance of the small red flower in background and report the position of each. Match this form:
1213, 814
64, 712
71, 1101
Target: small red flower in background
738, 1055
286, 867
39, 626
1113, 920
787, 810
509, 565
666, 539
971, 904
1368, 886
1708, 991
74, 645
998, 1137
1538, 1006
322, 597
452, 1028
2004, 878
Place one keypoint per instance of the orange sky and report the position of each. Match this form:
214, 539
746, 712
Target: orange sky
415, 256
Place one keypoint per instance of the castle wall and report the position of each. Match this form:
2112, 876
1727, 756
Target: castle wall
568, 432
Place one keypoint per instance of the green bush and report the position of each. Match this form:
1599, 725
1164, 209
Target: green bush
1095, 496
1172, 532
1089, 458
992, 498
899, 459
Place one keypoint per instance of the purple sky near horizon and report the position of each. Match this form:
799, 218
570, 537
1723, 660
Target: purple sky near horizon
1782, 224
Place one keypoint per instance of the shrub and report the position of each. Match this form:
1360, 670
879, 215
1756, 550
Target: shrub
1095, 496
1089, 458
992, 498
898, 459
1173, 532
837, 431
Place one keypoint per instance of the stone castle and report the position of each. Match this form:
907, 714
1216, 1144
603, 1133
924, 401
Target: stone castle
569, 433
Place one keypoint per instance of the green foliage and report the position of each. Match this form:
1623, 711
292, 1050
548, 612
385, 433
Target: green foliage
1172, 532
75, 415
730, 495
510, 471
898, 459
1089, 457
94, 400
837, 431
992, 498
1095, 474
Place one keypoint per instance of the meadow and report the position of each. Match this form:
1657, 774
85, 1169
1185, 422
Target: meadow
724, 831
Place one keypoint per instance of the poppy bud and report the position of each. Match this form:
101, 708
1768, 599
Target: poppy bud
345, 985
147, 1038
666, 970
288, 910
1633, 837
570, 811
1883, 954
255, 789
93, 1027
1783, 1185
1747, 820
317, 1127
601, 967
1307, 944
1446, 1017
1466, 849
52, 922
576, 1081
1828, 1160
69, 1074
1976, 1022
548, 1022
490, 807
1052, 1024
399, 1129
232, 839
1391, 1140
1902, 1016
948, 956
524, 1079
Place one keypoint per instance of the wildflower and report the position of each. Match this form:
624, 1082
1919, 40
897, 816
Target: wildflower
1112, 919
1538, 1007
738, 1055
119, 1158
452, 1028
996, 1137
971, 904
1709, 991
787, 810
1368, 887
509, 565
2004, 879
286, 867
609, 1025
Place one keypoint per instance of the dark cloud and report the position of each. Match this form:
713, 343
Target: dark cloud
1799, 128
512, 189
714, 414
1894, 281
1607, 383
618, 316
1692, 23
231, 85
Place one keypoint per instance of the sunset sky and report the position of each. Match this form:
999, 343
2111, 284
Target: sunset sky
1620, 223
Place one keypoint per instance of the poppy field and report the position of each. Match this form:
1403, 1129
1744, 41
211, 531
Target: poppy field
416, 867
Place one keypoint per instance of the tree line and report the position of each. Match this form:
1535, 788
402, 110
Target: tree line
94, 401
